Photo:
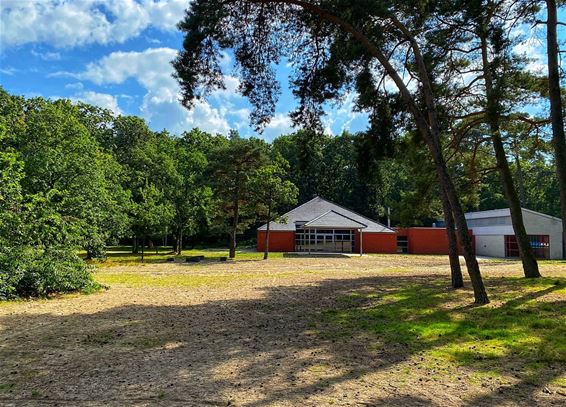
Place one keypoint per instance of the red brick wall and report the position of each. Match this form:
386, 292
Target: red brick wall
280, 241
377, 242
427, 240
421, 241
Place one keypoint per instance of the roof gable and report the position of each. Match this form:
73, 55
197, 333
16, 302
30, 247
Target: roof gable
334, 220
493, 213
317, 207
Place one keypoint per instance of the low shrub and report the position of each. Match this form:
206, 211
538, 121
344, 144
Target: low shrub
29, 272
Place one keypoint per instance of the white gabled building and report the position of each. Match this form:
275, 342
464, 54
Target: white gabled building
494, 235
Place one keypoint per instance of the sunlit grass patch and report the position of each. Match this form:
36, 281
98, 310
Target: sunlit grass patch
480, 377
122, 255
170, 280
560, 381
525, 325
557, 262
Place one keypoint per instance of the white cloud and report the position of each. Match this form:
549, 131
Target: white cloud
98, 99
8, 71
166, 14
534, 51
160, 105
74, 86
278, 125
69, 23
531, 46
47, 56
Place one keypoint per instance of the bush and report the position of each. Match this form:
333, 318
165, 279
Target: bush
28, 272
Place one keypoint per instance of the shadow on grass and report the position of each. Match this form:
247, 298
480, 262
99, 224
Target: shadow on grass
295, 345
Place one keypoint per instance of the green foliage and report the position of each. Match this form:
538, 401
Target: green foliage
232, 169
29, 272
58, 192
71, 191
189, 193
152, 213
271, 190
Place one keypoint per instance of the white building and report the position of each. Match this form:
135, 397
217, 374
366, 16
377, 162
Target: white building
494, 235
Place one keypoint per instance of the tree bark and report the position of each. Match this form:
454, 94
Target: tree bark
142, 249
179, 242
135, 247
266, 248
556, 117
455, 269
520, 180
530, 265
232, 251
480, 295
234, 230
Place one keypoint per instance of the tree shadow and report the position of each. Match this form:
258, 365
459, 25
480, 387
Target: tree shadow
294, 345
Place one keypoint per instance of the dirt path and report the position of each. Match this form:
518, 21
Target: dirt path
224, 334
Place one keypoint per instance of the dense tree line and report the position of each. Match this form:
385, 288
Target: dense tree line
76, 177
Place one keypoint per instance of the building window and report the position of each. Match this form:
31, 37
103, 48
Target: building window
402, 244
540, 245
324, 240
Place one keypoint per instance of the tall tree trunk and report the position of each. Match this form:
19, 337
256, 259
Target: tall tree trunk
480, 295
455, 269
266, 248
520, 179
135, 248
142, 249
234, 229
530, 265
428, 126
556, 117
232, 251
179, 242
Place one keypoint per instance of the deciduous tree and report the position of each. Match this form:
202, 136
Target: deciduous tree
271, 192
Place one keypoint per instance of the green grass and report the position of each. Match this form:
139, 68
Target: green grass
552, 262
170, 280
524, 327
121, 255
6, 387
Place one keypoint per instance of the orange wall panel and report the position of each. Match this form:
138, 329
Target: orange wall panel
427, 240
377, 242
279, 241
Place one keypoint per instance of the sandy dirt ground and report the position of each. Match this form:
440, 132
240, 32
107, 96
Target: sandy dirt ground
241, 335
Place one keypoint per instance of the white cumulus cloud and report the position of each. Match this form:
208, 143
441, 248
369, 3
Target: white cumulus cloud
278, 125
69, 23
98, 99
160, 105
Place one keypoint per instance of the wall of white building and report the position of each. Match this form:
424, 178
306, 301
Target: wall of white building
537, 224
490, 228
490, 245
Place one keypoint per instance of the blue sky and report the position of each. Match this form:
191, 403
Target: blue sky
117, 53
